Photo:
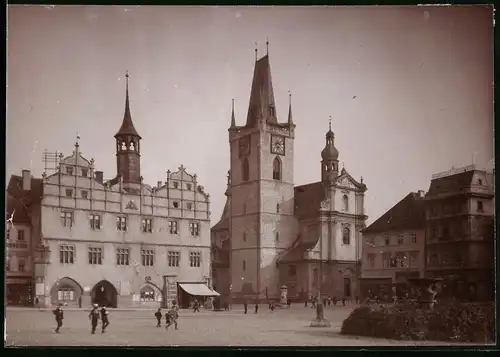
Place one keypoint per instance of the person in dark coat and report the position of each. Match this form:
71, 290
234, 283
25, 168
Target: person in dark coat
59, 315
196, 306
256, 306
343, 300
245, 306
104, 318
94, 317
289, 303
158, 316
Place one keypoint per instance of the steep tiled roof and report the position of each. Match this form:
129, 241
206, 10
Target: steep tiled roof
223, 223
261, 94
409, 213
451, 183
127, 127
19, 200
308, 199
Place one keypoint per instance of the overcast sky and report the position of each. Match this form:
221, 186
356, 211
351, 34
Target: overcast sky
409, 88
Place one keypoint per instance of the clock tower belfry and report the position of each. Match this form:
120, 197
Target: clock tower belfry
262, 222
128, 149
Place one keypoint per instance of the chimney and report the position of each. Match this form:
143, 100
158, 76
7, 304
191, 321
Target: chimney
159, 184
421, 193
26, 180
99, 176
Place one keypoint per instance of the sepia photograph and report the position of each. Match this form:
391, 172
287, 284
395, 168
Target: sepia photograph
250, 176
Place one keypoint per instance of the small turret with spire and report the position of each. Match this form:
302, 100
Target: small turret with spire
329, 157
290, 120
128, 145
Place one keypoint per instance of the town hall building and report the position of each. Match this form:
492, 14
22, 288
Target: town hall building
305, 237
115, 242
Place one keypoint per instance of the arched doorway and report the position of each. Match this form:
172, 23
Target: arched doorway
148, 294
66, 291
104, 293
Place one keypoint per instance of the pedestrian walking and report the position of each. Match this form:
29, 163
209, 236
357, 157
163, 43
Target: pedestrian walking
289, 303
37, 303
173, 315
158, 316
94, 317
256, 306
271, 306
343, 300
59, 315
334, 301
104, 318
305, 302
80, 302
196, 306
245, 306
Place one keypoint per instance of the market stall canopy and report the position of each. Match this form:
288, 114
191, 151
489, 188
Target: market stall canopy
198, 290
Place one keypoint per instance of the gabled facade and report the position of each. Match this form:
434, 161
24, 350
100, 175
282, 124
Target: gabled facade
393, 248
279, 233
459, 235
100, 240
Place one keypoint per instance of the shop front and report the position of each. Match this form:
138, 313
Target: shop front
189, 292
19, 291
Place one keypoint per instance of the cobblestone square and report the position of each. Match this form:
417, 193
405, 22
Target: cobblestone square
31, 327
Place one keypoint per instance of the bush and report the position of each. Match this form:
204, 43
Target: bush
460, 322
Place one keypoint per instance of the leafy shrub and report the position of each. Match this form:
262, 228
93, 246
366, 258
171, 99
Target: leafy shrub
461, 322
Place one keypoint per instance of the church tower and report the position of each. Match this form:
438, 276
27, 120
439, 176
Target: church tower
128, 153
329, 159
262, 189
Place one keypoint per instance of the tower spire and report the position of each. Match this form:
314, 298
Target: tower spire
233, 120
290, 120
330, 123
256, 51
267, 46
127, 127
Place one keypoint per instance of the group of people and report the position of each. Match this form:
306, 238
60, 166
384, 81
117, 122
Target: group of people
326, 301
95, 315
171, 316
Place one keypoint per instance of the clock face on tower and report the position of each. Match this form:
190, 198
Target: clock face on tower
244, 146
278, 145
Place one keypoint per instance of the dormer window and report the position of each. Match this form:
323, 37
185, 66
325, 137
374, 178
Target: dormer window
176, 184
480, 182
188, 186
69, 170
85, 172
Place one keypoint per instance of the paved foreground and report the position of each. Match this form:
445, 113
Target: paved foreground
30, 327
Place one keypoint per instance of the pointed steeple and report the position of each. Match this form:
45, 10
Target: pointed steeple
233, 120
262, 102
330, 152
127, 127
290, 120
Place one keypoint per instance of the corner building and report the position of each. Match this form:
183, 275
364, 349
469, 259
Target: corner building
280, 233
100, 241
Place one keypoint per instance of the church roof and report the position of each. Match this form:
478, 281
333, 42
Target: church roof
127, 128
308, 200
261, 94
223, 223
409, 213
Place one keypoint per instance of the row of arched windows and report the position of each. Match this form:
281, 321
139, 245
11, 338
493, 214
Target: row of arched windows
123, 146
277, 169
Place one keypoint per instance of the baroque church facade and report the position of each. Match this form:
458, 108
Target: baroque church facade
273, 233
117, 242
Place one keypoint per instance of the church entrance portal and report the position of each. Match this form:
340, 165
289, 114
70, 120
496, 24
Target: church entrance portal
104, 293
